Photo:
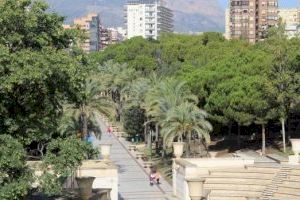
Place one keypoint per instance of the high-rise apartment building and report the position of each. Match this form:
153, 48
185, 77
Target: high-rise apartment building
290, 15
250, 19
227, 24
147, 18
91, 24
291, 19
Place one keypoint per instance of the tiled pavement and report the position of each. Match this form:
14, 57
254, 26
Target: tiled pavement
133, 178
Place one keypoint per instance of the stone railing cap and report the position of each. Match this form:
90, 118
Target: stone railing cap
196, 179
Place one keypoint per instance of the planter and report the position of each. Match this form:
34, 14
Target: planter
296, 146
105, 151
103, 194
178, 149
85, 187
196, 191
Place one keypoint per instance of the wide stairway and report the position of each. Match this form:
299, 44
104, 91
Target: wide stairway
239, 183
288, 188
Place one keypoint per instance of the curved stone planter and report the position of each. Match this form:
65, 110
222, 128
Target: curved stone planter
178, 149
296, 146
196, 191
85, 187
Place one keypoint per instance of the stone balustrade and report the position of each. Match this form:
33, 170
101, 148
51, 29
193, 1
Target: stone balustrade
105, 173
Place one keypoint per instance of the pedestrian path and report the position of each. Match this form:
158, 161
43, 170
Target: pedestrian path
133, 179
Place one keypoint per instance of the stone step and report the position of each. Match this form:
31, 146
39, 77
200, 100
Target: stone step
236, 187
284, 196
233, 193
212, 180
248, 170
294, 178
291, 184
227, 198
242, 175
288, 190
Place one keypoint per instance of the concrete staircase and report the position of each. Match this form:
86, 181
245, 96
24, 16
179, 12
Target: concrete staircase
278, 180
289, 188
239, 183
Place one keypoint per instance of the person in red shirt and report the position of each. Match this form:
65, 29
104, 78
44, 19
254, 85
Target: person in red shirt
109, 130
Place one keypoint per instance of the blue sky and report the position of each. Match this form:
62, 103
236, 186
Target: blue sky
282, 3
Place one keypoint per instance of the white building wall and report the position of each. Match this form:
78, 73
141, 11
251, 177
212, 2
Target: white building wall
142, 19
135, 20
227, 24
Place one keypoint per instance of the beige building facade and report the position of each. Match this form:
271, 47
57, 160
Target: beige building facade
291, 19
250, 19
290, 16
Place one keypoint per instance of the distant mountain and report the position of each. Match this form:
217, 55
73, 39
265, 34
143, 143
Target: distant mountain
190, 15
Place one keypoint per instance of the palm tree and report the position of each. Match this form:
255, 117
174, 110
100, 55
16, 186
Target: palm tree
70, 125
134, 94
91, 103
164, 96
115, 78
183, 121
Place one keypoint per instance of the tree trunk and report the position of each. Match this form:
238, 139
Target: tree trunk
84, 125
164, 152
230, 136
149, 144
239, 136
283, 134
263, 132
156, 132
188, 151
289, 131
145, 135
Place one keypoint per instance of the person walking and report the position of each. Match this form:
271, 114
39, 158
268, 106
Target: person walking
109, 131
154, 177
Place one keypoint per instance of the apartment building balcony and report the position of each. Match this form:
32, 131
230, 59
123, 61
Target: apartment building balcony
150, 10
150, 16
148, 28
150, 22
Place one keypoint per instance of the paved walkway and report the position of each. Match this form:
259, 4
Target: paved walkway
133, 179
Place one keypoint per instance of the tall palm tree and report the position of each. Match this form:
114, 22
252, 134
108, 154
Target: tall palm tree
115, 78
164, 96
183, 121
91, 103
70, 125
